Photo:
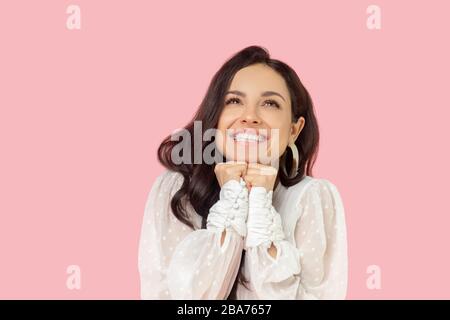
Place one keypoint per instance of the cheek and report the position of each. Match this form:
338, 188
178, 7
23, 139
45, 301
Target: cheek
276, 118
225, 121
279, 139
280, 124
283, 146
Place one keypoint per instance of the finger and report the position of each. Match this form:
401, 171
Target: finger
238, 170
251, 180
268, 171
263, 171
253, 171
248, 182
231, 162
248, 178
240, 164
261, 166
255, 165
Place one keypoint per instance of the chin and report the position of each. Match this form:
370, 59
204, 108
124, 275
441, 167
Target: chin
251, 159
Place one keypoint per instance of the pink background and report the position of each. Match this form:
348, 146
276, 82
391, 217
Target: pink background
83, 111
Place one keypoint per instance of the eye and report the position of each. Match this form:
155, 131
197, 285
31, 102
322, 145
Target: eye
272, 103
232, 100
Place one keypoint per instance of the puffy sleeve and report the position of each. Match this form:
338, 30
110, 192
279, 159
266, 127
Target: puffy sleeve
314, 264
177, 262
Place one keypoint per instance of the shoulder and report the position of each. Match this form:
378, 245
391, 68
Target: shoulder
168, 180
321, 185
165, 185
317, 190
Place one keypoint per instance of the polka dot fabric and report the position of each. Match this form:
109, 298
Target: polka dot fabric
305, 222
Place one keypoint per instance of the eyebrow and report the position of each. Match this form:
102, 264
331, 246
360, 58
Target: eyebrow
264, 94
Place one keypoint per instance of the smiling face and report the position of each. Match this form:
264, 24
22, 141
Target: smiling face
256, 122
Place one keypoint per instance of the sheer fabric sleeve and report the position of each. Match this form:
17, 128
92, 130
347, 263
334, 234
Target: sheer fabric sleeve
178, 262
315, 265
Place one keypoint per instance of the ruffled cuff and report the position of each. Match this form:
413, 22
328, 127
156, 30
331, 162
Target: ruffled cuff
231, 211
264, 224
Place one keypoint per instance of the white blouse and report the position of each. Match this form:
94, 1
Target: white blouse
305, 222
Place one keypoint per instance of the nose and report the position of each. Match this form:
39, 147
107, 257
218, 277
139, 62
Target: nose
250, 117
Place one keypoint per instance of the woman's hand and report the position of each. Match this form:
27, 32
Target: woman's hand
259, 175
226, 171
231, 170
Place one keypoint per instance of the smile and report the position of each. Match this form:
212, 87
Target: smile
248, 137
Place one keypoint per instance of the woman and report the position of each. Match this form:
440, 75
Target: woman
246, 227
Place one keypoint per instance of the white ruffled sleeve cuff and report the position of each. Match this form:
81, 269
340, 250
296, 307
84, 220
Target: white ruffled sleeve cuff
264, 224
231, 211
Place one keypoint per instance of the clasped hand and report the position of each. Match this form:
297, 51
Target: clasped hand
254, 174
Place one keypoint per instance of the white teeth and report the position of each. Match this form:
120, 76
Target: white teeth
249, 137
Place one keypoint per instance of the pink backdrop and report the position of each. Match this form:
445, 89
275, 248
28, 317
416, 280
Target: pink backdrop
83, 111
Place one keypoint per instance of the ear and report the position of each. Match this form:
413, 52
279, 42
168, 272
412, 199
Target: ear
296, 128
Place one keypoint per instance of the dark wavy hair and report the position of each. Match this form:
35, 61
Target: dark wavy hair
200, 187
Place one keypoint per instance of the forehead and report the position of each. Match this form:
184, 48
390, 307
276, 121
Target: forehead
257, 78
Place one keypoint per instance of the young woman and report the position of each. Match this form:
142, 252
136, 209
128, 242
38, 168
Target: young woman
244, 229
